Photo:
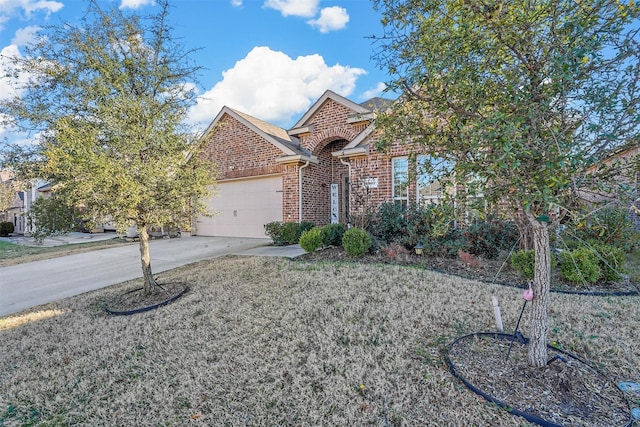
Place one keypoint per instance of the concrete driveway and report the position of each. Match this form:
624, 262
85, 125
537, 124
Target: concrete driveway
28, 285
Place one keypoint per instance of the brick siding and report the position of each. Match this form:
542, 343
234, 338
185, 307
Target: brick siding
240, 152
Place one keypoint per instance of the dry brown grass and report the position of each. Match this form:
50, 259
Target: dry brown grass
266, 342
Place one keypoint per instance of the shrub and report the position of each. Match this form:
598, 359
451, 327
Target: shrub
394, 251
488, 238
434, 221
6, 228
469, 259
356, 242
332, 234
610, 225
286, 233
610, 260
580, 266
524, 263
305, 226
446, 246
390, 222
311, 240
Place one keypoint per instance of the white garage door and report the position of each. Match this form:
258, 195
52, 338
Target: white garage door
243, 207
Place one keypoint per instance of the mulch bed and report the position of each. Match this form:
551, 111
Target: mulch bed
492, 271
136, 300
565, 392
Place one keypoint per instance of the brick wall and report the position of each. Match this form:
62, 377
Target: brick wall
317, 182
240, 153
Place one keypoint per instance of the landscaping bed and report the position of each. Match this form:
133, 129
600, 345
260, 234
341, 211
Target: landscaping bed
496, 271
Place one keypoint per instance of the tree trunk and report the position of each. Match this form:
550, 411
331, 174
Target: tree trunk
149, 283
537, 353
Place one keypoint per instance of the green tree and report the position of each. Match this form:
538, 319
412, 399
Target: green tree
8, 194
525, 97
108, 98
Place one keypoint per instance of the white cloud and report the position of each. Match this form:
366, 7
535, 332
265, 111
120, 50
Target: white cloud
7, 81
274, 87
236, 3
25, 36
373, 92
135, 4
11, 8
331, 19
302, 8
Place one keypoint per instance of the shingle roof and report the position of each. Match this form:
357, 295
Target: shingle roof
377, 104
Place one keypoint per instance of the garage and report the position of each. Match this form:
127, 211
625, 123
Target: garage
242, 208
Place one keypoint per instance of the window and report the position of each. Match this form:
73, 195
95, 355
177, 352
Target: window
433, 183
400, 180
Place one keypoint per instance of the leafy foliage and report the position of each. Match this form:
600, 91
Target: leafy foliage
611, 260
488, 237
6, 228
524, 262
50, 216
580, 266
108, 98
524, 98
312, 239
332, 234
390, 222
610, 225
286, 233
356, 242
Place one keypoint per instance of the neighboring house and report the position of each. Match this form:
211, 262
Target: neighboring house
23, 199
325, 169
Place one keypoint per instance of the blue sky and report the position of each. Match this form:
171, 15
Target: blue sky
268, 58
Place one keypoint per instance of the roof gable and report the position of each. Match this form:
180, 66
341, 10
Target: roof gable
357, 109
274, 135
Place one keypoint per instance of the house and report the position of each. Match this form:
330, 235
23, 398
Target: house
324, 169
19, 199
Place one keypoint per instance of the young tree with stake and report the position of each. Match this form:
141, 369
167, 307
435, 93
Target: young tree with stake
108, 98
525, 97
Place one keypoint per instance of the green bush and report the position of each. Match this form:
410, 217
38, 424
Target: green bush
311, 240
446, 246
611, 260
305, 226
390, 222
580, 266
332, 234
524, 262
286, 233
6, 228
610, 226
356, 242
433, 221
487, 238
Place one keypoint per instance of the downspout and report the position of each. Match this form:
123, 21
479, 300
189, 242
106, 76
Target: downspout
348, 165
300, 190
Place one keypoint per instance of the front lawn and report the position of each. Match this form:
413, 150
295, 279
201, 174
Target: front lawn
274, 342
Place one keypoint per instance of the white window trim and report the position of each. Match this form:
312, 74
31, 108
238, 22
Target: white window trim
395, 198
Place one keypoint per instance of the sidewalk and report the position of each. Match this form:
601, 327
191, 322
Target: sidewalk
67, 239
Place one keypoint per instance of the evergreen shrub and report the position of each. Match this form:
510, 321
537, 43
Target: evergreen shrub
580, 266
312, 240
6, 228
356, 242
524, 263
332, 234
